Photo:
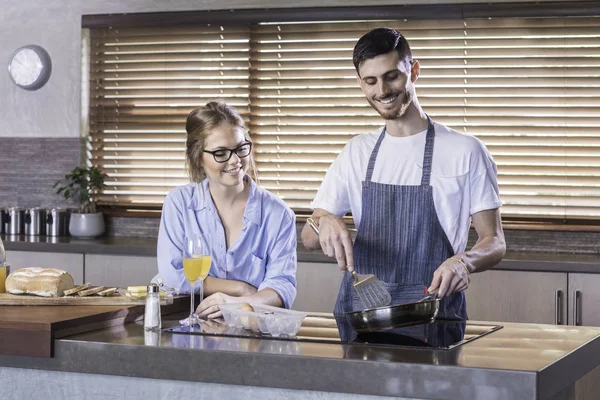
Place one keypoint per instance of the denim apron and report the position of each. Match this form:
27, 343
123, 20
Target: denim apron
401, 241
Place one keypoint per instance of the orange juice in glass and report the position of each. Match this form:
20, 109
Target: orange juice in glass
193, 268
196, 264
206, 262
4, 271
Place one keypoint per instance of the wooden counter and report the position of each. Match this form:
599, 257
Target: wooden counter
31, 330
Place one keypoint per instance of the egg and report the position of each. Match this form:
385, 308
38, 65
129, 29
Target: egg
248, 321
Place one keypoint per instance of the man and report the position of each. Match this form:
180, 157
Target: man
413, 188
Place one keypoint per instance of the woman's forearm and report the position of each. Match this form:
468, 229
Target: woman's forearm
266, 296
227, 286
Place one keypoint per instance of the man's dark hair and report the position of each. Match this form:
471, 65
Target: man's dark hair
380, 41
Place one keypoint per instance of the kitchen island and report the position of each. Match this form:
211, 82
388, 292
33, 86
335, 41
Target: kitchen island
519, 361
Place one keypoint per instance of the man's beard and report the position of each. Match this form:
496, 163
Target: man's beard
407, 99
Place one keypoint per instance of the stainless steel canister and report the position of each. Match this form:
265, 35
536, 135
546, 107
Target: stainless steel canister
3, 219
56, 222
35, 221
16, 221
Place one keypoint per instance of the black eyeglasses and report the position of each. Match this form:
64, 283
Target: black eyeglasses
223, 155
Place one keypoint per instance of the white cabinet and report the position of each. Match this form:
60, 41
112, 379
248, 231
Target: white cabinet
317, 286
518, 296
70, 262
119, 270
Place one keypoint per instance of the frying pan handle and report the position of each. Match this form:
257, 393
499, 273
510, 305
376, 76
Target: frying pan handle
558, 308
430, 297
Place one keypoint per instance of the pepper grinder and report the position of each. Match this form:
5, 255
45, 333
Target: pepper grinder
152, 312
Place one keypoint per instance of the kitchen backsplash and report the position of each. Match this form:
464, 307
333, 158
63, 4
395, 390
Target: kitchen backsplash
137, 227
516, 240
519, 240
548, 241
30, 166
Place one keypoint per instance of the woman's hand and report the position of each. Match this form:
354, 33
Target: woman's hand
216, 325
209, 307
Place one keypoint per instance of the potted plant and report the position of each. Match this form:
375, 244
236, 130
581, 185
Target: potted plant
82, 185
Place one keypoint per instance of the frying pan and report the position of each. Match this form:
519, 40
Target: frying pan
395, 316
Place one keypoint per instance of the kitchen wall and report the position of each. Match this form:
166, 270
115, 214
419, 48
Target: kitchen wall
54, 110
40, 130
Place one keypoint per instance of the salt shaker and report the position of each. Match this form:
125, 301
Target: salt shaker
152, 311
152, 338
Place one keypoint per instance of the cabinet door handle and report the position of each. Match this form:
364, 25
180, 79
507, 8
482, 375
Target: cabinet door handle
558, 308
577, 308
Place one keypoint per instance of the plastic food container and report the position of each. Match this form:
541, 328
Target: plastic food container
266, 319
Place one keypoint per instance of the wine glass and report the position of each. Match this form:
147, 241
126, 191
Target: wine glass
193, 255
206, 262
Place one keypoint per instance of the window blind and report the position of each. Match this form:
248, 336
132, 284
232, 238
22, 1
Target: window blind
527, 87
144, 83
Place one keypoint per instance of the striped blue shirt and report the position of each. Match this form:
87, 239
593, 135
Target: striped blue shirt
264, 255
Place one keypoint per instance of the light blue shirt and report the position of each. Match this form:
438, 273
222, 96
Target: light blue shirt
264, 255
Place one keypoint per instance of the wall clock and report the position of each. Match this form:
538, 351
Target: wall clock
29, 67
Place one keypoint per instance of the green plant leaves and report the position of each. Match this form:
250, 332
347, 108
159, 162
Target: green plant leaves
82, 184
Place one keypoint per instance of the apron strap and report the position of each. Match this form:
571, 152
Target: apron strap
428, 156
371, 165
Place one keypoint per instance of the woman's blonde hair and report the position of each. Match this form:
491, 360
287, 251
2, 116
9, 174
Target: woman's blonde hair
199, 124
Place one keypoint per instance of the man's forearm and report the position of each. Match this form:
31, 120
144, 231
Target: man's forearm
485, 254
310, 240
490, 246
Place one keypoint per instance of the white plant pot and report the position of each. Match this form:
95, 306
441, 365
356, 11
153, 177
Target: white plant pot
86, 225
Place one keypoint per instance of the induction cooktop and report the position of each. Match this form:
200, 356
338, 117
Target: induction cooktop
437, 335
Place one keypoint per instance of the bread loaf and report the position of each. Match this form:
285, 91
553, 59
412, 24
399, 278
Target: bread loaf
47, 282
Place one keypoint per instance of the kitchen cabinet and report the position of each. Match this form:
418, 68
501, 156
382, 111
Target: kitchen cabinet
317, 286
588, 387
518, 296
70, 262
317, 283
584, 299
119, 270
535, 297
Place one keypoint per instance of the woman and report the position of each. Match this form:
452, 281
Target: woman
251, 232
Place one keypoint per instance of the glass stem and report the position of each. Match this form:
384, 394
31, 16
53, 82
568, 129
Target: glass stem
192, 318
201, 290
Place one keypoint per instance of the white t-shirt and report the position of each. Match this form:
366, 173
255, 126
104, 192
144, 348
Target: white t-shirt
463, 176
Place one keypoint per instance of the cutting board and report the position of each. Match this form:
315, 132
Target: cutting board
30, 331
7, 299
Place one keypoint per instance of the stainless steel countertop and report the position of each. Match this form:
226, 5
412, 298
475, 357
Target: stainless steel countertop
525, 361
132, 246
